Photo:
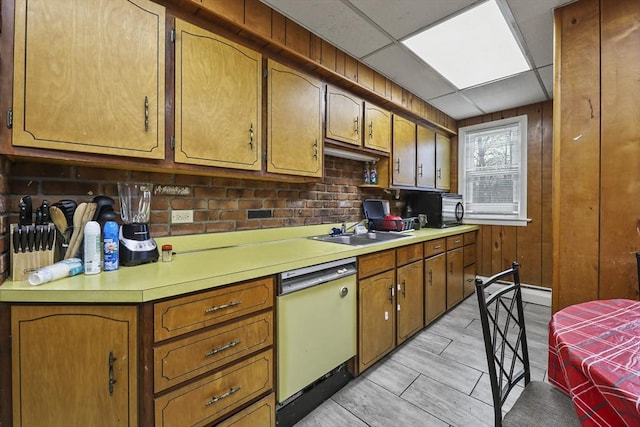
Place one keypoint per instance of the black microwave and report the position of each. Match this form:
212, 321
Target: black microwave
440, 209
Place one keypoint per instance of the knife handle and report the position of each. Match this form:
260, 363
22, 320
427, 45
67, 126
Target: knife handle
37, 237
30, 237
23, 239
16, 239
51, 237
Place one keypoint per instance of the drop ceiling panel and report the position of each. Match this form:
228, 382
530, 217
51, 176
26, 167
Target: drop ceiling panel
522, 89
456, 106
334, 21
546, 74
402, 67
403, 17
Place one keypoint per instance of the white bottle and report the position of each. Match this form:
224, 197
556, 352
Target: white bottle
92, 248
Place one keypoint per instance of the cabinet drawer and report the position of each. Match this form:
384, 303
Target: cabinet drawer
408, 254
209, 399
470, 238
181, 315
454, 242
187, 358
434, 247
376, 263
469, 256
262, 413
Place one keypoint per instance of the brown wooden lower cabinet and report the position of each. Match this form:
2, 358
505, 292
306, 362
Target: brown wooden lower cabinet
376, 317
409, 291
201, 402
74, 365
260, 414
435, 304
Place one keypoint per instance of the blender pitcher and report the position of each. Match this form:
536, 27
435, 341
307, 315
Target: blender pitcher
136, 244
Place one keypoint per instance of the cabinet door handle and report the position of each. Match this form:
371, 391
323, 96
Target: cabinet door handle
404, 289
222, 307
251, 136
430, 277
112, 379
231, 391
398, 162
356, 125
439, 173
371, 130
315, 149
223, 348
420, 170
146, 113
391, 294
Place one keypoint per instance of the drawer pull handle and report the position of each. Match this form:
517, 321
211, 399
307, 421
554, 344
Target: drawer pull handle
437, 247
222, 396
222, 307
224, 347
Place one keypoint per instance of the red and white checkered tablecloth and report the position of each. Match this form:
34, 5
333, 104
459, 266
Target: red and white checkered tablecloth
594, 356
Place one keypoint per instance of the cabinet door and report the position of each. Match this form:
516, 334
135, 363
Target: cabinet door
344, 116
295, 122
89, 76
377, 131
455, 277
376, 317
469, 279
435, 269
443, 158
410, 300
218, 94
404, 152
74, 365
425, 157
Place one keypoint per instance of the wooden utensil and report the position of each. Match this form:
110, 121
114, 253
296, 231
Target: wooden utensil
60, 221
77, 231
87, 212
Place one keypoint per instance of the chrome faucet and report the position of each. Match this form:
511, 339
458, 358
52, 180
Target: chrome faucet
344, 229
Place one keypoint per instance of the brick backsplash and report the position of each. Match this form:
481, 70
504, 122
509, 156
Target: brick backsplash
219, 204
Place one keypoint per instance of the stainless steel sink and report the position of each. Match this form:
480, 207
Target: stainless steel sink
360, 239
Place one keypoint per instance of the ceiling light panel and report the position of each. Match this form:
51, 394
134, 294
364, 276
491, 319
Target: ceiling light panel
473, 48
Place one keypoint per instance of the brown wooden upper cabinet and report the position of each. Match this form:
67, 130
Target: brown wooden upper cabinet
343, 116
404, 152
105, 96
443, 162
425, 157
294, 112
218, 101
377, 128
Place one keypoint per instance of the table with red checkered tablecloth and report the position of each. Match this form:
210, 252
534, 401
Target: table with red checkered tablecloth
594, 356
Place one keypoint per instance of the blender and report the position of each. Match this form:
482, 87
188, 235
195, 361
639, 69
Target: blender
136, 244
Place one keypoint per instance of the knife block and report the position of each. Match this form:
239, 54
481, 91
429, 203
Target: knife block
25, 263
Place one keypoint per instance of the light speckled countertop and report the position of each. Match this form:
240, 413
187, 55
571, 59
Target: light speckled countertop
206, 261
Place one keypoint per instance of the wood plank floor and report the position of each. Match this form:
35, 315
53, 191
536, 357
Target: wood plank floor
438, 378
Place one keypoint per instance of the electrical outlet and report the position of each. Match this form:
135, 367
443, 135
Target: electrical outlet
181, 216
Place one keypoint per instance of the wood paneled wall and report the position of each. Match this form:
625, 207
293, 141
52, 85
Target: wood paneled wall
531, 246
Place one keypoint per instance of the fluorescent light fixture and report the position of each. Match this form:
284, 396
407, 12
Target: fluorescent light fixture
345, 154
472, 48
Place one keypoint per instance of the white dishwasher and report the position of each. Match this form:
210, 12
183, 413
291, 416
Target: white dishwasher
316, 311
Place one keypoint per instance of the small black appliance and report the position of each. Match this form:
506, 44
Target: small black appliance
440, 209
136, 244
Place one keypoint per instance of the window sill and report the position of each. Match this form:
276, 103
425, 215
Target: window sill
489, 221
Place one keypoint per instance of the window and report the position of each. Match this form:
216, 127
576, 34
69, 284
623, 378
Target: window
492, 167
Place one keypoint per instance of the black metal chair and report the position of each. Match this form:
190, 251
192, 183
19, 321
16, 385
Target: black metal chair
638, 261
505, 340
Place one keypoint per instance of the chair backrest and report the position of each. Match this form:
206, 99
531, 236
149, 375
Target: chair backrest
505, 338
